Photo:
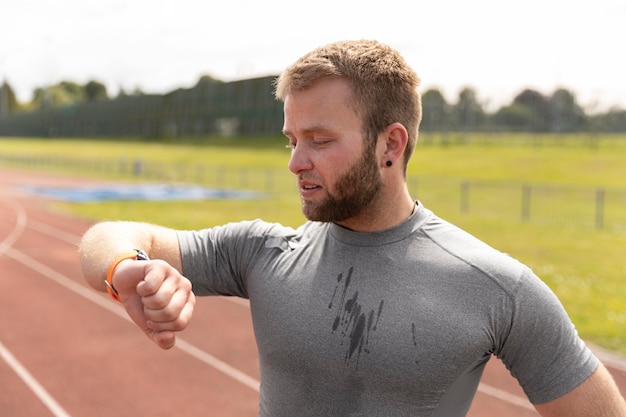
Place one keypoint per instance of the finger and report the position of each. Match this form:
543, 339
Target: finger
156, 272
161, 298
164, 340
175, 320
166, 304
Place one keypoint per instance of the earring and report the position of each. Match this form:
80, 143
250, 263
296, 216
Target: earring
388, 163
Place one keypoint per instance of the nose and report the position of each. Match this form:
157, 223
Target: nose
299, 160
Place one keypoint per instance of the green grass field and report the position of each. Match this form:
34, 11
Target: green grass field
584, 266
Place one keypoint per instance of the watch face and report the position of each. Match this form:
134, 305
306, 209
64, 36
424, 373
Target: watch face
141, 255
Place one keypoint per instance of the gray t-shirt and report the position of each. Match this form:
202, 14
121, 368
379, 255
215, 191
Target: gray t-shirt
399, 322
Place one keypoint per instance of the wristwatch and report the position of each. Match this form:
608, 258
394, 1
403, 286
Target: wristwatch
136, 254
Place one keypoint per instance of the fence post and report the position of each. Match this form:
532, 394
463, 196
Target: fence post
122, 165
269, 180
137, 167
243, 177
600, 208
526, 193
200, 174
220, 176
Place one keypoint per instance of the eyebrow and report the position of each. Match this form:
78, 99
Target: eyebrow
312, 129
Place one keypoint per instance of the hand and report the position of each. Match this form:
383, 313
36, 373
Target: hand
156, 297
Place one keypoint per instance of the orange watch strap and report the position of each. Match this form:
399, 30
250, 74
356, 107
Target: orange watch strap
109, 281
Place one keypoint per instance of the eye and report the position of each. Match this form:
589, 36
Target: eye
291, 145
318, 143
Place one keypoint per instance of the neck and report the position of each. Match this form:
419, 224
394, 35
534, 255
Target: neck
383, 213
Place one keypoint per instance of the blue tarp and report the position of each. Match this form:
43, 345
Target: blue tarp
129, 192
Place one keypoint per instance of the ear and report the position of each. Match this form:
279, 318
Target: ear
395, 138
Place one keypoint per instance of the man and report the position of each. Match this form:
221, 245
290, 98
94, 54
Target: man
375, 306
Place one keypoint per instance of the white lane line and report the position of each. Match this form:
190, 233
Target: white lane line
20, 224
32, 383
54, 232
223, 367
114, 308
68, 283
39, 391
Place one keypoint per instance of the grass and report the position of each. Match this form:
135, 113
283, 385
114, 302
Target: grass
583, 266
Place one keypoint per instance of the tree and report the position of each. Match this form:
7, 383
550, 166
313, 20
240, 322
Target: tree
8, 100
614, 120
435, 111
58, 95
67, 93
538, 110
515, 117
468, 112
567, 115
207, 80
95, 91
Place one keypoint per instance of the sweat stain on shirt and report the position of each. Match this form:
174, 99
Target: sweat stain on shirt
354, 322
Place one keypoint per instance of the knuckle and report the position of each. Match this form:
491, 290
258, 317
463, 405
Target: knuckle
179, 324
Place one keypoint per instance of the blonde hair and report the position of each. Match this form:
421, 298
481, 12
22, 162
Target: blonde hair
385, 88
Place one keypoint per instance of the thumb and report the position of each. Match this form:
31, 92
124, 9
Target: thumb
165, 339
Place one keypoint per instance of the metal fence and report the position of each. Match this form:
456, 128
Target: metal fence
577, 206
586, 207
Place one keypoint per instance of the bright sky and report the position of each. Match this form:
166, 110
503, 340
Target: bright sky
497, 47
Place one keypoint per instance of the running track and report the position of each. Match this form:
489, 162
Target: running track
66, 350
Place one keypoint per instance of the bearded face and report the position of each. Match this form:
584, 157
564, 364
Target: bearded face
350, 194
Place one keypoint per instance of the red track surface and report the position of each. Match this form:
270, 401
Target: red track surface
66, 350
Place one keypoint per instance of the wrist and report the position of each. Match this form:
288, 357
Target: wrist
136, 254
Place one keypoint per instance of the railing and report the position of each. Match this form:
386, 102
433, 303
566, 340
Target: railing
577, 206
587, 207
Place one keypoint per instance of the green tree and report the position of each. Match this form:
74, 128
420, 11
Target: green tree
73, 91
8, 100
613, 121
207, 80
435, 111
469, 114
538, 110
514, 117
95, 91
58, 95
566, 114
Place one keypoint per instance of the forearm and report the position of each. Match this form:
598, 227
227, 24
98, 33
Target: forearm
154, 293
104, 242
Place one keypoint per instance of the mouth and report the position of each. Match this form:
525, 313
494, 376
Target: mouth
308, 189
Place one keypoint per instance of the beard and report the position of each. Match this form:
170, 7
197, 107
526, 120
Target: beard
352, 192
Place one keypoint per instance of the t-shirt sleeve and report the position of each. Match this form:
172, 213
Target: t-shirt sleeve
215, 260
542, 349
219, 260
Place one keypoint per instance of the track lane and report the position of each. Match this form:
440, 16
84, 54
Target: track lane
88, 359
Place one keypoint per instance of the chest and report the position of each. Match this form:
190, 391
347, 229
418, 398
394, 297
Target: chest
341, 313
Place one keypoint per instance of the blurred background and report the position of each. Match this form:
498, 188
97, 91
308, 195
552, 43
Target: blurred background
194, 68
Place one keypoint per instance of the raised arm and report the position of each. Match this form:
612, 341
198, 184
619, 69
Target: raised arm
597, 396
154, 293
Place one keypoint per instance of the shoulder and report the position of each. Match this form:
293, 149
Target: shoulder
455, 242
249, 231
